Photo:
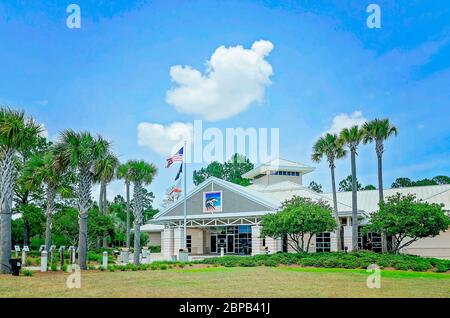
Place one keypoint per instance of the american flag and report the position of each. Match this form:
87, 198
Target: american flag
178, 157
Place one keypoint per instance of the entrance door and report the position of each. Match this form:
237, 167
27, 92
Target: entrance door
230, 243
213, 243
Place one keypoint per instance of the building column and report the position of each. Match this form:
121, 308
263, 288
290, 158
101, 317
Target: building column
167, 243
256, 240
177, 240
333, 242
348, 238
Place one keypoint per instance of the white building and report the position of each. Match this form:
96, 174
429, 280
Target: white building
221, 214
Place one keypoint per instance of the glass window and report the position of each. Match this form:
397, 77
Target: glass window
189, 242
213, 243
323, 242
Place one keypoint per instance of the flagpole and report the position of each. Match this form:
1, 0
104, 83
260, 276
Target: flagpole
184, 203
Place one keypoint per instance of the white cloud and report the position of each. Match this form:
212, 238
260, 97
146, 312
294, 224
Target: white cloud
342, 121
235, 78
164, 140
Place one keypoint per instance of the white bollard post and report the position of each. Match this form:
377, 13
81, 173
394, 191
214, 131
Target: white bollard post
43, 261
145, 255
222, 252
105, 260
24, 258
74, 256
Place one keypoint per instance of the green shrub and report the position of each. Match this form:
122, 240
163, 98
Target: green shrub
351, 260
308, 262
92, 256
54, 267
64, 267
111, 268
441, 268
270, 262
155, 249
91, 267
27, 272
402, 265
420, 266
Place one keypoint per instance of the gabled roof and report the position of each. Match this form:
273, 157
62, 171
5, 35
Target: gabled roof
250, 194
278, 164
151, 228
282, 195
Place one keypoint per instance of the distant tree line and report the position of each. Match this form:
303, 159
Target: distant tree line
346, 184
231, 170
407, 182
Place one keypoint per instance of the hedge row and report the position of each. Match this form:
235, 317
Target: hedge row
335, 260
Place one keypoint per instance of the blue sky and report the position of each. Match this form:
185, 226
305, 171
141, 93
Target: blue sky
114, 73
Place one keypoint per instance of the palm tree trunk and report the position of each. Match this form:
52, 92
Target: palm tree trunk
84, 193
48, 215
26, 232
137, 220
336, 215
128, 214
105, 201
6, 196
105, 211
100, 199
354, 203
379, 149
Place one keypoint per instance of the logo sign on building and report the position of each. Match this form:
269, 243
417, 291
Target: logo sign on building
212, 201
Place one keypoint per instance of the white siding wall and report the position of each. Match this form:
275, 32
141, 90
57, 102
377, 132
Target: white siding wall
438, 246
274, 245
257, 247
197, 240
348, 237
333, 242
167, 245
155, 238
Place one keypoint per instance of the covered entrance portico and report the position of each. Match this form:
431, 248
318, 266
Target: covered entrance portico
237, 236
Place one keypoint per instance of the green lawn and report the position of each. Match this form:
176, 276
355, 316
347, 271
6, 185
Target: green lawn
229, 282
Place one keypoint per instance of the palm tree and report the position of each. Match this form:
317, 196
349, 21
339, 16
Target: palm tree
80, 151
141, 173
379, 130
40, 170
123, 172
104, 172
351, 137
16, 131
328, 146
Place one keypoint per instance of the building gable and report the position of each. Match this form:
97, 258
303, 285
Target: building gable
235, 200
